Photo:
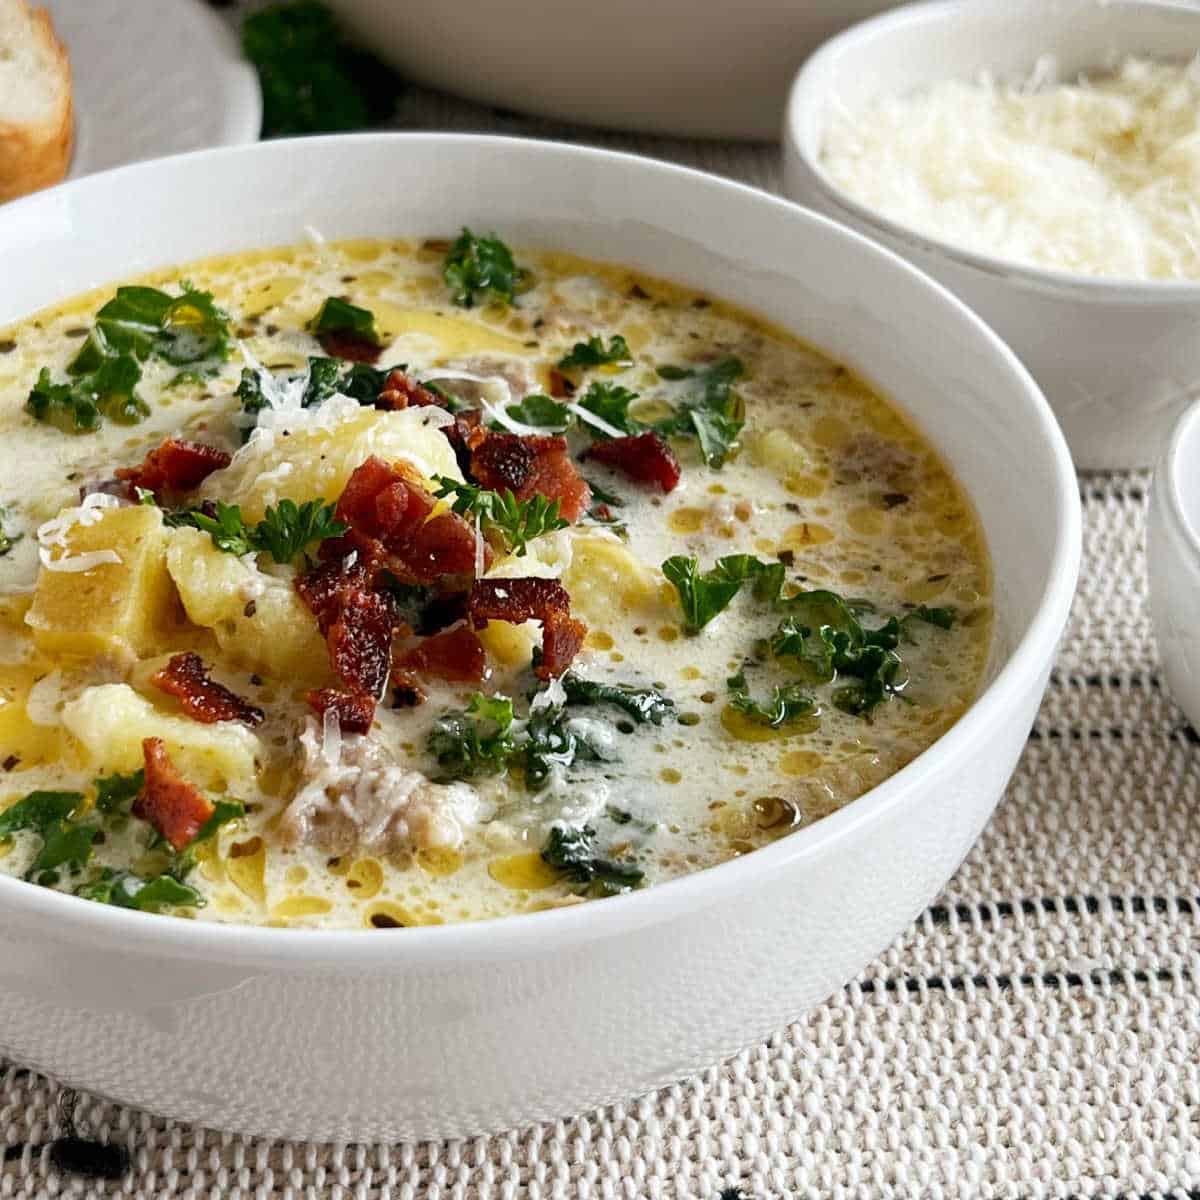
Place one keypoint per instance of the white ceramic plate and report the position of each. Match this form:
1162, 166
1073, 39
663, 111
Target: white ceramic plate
153, 77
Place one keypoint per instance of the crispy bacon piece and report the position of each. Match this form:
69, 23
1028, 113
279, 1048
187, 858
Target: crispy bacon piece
360, 640
561, 388
380, 501
399, 391
562, 637
203, 698
175, 466
529, 466
342, 343
455, 655
646, 458
323, 587
353, 710
443, 551
544, 600
172, 805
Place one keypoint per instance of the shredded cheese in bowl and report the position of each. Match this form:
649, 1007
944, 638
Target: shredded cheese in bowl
1100, 176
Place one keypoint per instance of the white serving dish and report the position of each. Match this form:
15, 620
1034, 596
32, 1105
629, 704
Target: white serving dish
680, 67
449, 1031
1117, 360
1173, 562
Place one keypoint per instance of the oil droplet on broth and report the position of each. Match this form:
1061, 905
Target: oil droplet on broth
523, 872
800, 762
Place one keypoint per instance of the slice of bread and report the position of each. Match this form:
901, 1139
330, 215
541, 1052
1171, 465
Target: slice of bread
35, 101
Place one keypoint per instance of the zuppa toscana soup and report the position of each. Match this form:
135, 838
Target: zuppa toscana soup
384, 584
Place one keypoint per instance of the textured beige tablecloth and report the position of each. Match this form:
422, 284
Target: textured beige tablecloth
1035, 1034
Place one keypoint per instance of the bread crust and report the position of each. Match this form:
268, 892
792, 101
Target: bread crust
35, 155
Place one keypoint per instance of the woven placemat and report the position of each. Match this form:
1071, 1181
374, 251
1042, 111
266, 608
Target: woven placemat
1035, 1034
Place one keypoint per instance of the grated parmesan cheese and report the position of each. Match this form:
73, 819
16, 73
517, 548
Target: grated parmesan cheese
52, 535
1099, 177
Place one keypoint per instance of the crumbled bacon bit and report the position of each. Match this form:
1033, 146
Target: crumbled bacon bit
342, 343
360, 640
562, 637
354, 711
173, 806
545, 600
400, 391
455, 655
443, 551
203, 698
175, 466
529, 466
322, 587
646, 459
561, 388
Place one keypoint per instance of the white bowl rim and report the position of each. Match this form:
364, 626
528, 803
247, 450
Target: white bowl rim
74, 919
1174, 464
804, 93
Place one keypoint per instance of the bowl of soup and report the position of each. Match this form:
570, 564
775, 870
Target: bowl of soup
1043, 170
483, 649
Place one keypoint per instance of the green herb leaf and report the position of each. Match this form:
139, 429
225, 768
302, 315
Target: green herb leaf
572, 852
116, 793
641, 704
517, 521
476, 741
340, 316
312, 80
610, 402
669, 372
481, 267
703, 595
227, 529
714, 415
144, 321
542, 411
788, 703
124, 889
38, 811
64, 844
286, 530
549, 741
943, 618
593, 353
78, 406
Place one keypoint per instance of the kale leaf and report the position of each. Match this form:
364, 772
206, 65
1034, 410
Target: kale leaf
610, 402
81, 405
788, 702
145, 321
593, 353
63, 842
116, 793
340, 316
476, 741
478, 267
714, 414
641, 704
543, 412
702, 595
312, 80
572, 852
124, 889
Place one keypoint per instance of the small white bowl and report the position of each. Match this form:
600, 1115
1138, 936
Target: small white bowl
1173, 562
1118, 360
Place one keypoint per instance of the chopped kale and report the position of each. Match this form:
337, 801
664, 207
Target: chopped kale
64, 843
145, 322
788, 703
340, 316
572, 852
610, 402
312, 80
81, 405
594, 353
702, 595
116, 793
714, 414
476, 741
38, 811
481, 268
541, 411
641, 704
124, 889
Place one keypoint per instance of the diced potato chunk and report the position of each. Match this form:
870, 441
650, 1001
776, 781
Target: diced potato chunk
259, 621
317, 457
111, 720
604, 580
781, 452
20, 738
511, 645
116, 609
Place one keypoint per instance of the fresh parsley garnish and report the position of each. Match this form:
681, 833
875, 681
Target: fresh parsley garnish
340, 316
573, 853
788, 702
594, 353
481, 268
518, 522
312, 80
541, 411
284, 532
610, 402
704, 594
